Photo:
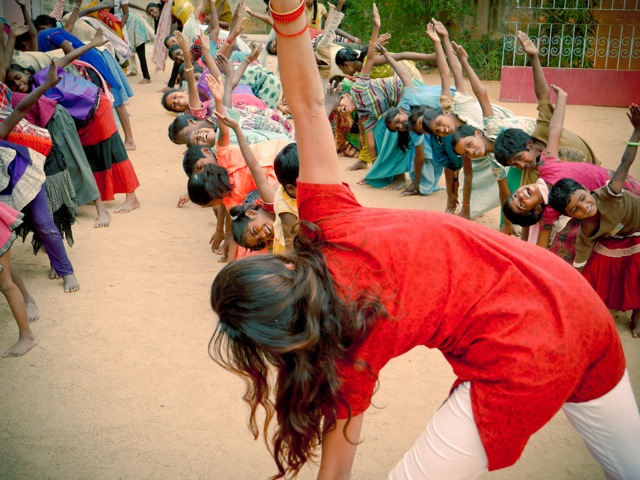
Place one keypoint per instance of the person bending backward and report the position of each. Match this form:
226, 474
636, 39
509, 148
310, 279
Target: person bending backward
321, 323
609, 237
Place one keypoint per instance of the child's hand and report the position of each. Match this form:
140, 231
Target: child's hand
432, 34
224, 65
17, 30
205, 46
440, 28
215, 86
460, 52
229, 122
239, 8
384, 38
52, 78
256, 48
78, 3
559, 91
236, 31
98, 39
380, 49
183, 200
248, 11
527, 45
216, 240
22, 3
634, 116
452, 203
182, 42
376, 16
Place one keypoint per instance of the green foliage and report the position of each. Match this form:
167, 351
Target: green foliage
406, 20
485, 55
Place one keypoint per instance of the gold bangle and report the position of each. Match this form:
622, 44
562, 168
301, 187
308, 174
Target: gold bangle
188, 69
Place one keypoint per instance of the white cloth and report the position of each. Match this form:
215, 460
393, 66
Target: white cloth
450, 446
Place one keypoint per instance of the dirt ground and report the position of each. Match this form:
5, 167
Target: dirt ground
121, 386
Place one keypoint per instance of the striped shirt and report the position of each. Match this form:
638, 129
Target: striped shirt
373, 97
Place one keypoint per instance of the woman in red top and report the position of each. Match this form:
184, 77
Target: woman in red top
325, 320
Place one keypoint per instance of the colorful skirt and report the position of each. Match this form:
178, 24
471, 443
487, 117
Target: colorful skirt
613, 270
105, 151
10, 219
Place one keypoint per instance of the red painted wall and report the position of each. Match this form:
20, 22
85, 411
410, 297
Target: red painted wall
610, 88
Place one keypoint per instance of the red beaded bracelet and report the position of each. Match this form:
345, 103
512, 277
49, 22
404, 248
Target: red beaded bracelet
292, 35
288, 17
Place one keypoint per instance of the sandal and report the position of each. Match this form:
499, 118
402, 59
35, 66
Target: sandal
350, 151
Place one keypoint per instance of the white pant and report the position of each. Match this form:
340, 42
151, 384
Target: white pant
450, 447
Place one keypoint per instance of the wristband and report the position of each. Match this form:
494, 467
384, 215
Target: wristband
466, 205
188, 69
76, 8
288, 17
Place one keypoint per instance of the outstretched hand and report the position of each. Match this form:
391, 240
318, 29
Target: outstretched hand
384, 38
380, 48
559, 91
22, 3
527, 45
205, 46
182, 41
224, 65
17, 30
237, 30
634, 115
229, 122
460, 52
332, 97
52, 78
440, 28
432, 34
215, 86
376, 16
98, 39
256, 48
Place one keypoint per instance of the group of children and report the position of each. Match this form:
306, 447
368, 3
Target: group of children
60, 142
237, 142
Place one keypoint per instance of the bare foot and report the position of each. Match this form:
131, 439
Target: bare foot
144, 80
129, 145
397, 184
52, 274
362, 181
223, 259
132, 74
21, 347
130, 204
410, 190
103, 220
32, 311
70, 283
358, 165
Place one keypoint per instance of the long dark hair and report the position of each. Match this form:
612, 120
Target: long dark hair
285, 312
348, 54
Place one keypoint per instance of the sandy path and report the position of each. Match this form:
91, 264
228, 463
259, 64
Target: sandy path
120, 385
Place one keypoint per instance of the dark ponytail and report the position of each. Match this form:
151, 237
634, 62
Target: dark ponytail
284, 317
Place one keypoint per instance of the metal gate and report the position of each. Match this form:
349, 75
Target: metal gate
600, 34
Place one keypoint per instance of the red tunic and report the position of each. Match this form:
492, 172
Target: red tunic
516, 321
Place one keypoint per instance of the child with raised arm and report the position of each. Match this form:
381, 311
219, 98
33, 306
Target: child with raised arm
608, 244
528, 206
309, 332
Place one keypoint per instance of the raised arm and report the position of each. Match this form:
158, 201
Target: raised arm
28, 101
208, 59
454, 63
539, 82
217, 90
305, 97
266, 190
227, 46
97, 41
478, 87
214, 24
371, 54
192, 87
226, 67
260, 16
236, 18
557, 121
71, 21
16, 31
441, 59
33, 33
256, 49
629, 155
400, 69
